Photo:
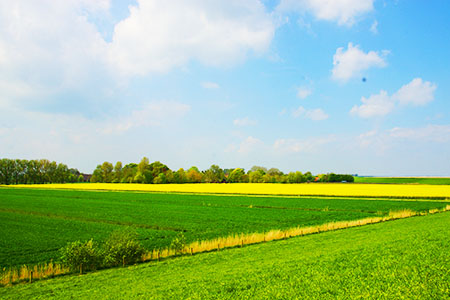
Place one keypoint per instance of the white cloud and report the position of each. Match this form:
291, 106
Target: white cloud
151, 114
298, 112
430, 133
417, 93
303, 92
306, 145
316, 114
49, 43
312, 114
375, 106
374, 27
344, 12
350, 63
52, 47
160, 35
244, 122
250, 144
210, 85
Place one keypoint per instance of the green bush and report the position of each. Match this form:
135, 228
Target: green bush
83, 256
178, 243
122, 247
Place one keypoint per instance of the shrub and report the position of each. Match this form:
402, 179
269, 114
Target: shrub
122, 247
81, 256
178, 243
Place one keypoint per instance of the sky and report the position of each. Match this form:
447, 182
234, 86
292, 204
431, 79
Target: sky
345, 86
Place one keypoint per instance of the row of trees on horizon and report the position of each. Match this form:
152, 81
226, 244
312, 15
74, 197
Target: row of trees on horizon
22, 171
159, 173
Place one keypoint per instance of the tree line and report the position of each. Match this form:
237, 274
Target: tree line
157, 172
22, 171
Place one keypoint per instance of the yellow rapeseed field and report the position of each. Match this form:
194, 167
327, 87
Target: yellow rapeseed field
304, 189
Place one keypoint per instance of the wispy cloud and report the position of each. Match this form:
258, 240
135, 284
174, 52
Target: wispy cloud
313, 114
344, 12
210, 85
244, 122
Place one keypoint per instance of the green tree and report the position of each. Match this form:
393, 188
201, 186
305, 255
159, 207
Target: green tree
237, 175
82, 256
256, 176
118, 172
214, 174
122, 247
193, 175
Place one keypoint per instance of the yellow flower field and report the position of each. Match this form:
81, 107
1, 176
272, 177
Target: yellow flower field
316, 189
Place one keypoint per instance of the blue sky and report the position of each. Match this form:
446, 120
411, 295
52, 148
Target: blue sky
347, 86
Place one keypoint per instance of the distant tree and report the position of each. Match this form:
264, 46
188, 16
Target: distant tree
193, 175
97, 175
129, 172
157, 168
179, 176
256, 176
107, 172
296, 177
308, 176
263, 170
117, 172
214, 174
237, 175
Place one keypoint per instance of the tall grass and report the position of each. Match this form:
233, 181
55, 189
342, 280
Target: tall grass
47, 270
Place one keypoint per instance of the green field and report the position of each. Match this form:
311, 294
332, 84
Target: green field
35, 224
409, 180
405, 259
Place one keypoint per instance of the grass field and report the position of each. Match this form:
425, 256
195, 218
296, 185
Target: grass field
404, 180
36, 223
405, 259
308, 189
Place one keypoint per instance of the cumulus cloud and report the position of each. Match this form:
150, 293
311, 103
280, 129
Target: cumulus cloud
344, 12
52, 47
375, 106
351, 62
303, 92
160, 35
312, 114
48, 46
244, 122
415, 93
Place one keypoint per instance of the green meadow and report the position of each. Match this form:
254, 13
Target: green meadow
406, 180
403, 259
